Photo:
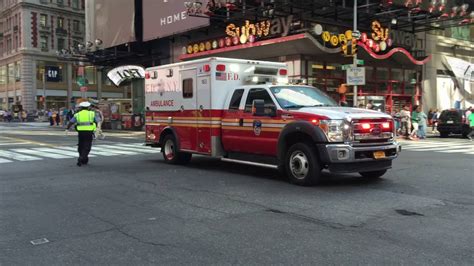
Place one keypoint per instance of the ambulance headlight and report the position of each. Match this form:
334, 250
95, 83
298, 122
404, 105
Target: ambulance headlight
336, 130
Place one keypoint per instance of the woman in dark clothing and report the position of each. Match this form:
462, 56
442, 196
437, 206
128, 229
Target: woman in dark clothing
58, 118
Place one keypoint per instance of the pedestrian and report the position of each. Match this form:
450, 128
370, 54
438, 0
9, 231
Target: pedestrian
467, 114
58, 118
434, 124
9, 116
405, 119
430, 116
396, 119
24, 115
100, 115
414, 122
422, 123
370, 106
470, 118
51, 117
86, 124
64, 116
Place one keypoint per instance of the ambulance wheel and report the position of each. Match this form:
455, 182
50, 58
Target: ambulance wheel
171, 154
302, 165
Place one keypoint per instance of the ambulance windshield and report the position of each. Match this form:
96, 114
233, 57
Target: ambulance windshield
298, 97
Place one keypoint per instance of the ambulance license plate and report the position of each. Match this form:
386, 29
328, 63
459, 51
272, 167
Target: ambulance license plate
379, 154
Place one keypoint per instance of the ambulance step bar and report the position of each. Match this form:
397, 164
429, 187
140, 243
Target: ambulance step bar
249, 163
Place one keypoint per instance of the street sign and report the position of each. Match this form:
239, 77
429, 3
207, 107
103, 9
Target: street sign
83, 89
355, 76
360, 62
345, 67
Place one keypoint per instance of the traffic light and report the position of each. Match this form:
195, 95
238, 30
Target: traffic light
352, 47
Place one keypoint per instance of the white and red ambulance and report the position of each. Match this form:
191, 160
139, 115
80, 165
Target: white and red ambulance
245, 111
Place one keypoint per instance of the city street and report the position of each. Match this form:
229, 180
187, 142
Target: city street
130, 208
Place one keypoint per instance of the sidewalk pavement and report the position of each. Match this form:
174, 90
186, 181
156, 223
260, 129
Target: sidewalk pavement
46, 125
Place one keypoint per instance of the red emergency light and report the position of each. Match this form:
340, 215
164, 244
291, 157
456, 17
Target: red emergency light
366, 126
206, 68
283, 72
147, 75
220, 68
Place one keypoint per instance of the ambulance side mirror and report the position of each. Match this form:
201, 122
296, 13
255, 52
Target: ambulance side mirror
258, 107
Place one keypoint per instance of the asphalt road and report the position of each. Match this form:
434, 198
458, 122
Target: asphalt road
132, 209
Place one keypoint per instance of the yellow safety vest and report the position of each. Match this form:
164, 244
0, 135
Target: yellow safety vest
85, 120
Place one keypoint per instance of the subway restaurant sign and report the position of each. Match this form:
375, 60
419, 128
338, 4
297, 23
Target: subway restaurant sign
245, 33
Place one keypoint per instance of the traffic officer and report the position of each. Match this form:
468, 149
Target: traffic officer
86, 123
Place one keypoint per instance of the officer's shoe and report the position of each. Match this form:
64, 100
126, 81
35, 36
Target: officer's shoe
85, 161
79, 161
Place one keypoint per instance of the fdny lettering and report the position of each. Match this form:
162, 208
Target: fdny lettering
162, 103
173, 18
232, 76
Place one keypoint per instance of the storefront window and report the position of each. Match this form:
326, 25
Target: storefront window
18, 71
397, 77
3, 75
11, 73
90, 75
382, 74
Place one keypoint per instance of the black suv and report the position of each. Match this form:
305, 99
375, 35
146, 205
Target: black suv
452, 122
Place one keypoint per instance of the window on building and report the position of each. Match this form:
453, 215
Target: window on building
235, 100
18, 71
16, 42
61, 44
75, 25
75, 4
3, 75
89, 72
61, 23
9, 45
60, 2
44, 43
11, 73
188, 88
43, 20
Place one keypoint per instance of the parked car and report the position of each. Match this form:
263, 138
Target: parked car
453, 121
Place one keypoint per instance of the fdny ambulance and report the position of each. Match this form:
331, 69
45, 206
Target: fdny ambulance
245, 111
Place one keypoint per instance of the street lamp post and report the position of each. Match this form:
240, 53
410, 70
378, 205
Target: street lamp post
44, 88
355, 54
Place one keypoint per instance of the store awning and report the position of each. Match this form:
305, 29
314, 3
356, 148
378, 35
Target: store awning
306, 44
302, 43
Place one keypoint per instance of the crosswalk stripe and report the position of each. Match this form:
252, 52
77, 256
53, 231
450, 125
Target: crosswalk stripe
99, 148
42, 154
138, 149
18, 156
59, 151
93, 152
4, 161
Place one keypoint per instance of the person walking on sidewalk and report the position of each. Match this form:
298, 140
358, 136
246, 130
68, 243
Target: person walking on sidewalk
471, 125
405, 119
422, 125
414, 122
86, 124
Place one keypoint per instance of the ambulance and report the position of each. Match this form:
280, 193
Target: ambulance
245, 111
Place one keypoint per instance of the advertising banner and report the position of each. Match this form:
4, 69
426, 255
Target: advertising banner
114, 22
163, 18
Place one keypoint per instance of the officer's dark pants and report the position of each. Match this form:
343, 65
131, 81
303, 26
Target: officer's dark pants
85, 145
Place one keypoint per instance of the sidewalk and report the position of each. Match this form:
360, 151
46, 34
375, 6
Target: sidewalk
46, 125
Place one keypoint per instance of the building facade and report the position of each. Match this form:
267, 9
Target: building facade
31, 73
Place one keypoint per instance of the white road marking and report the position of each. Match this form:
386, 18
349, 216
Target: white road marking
98, 148
93, 152
42, 154
18, 156
59, 151
4, 161
137, 149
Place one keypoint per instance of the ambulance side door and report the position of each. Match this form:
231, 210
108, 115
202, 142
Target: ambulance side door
186, 117
204, 119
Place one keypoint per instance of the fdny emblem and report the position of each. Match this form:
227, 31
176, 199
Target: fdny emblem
257, 127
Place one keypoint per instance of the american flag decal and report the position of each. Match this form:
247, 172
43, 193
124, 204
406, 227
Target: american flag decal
221, 76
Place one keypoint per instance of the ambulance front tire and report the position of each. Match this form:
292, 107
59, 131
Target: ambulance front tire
302, 165
170, 151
